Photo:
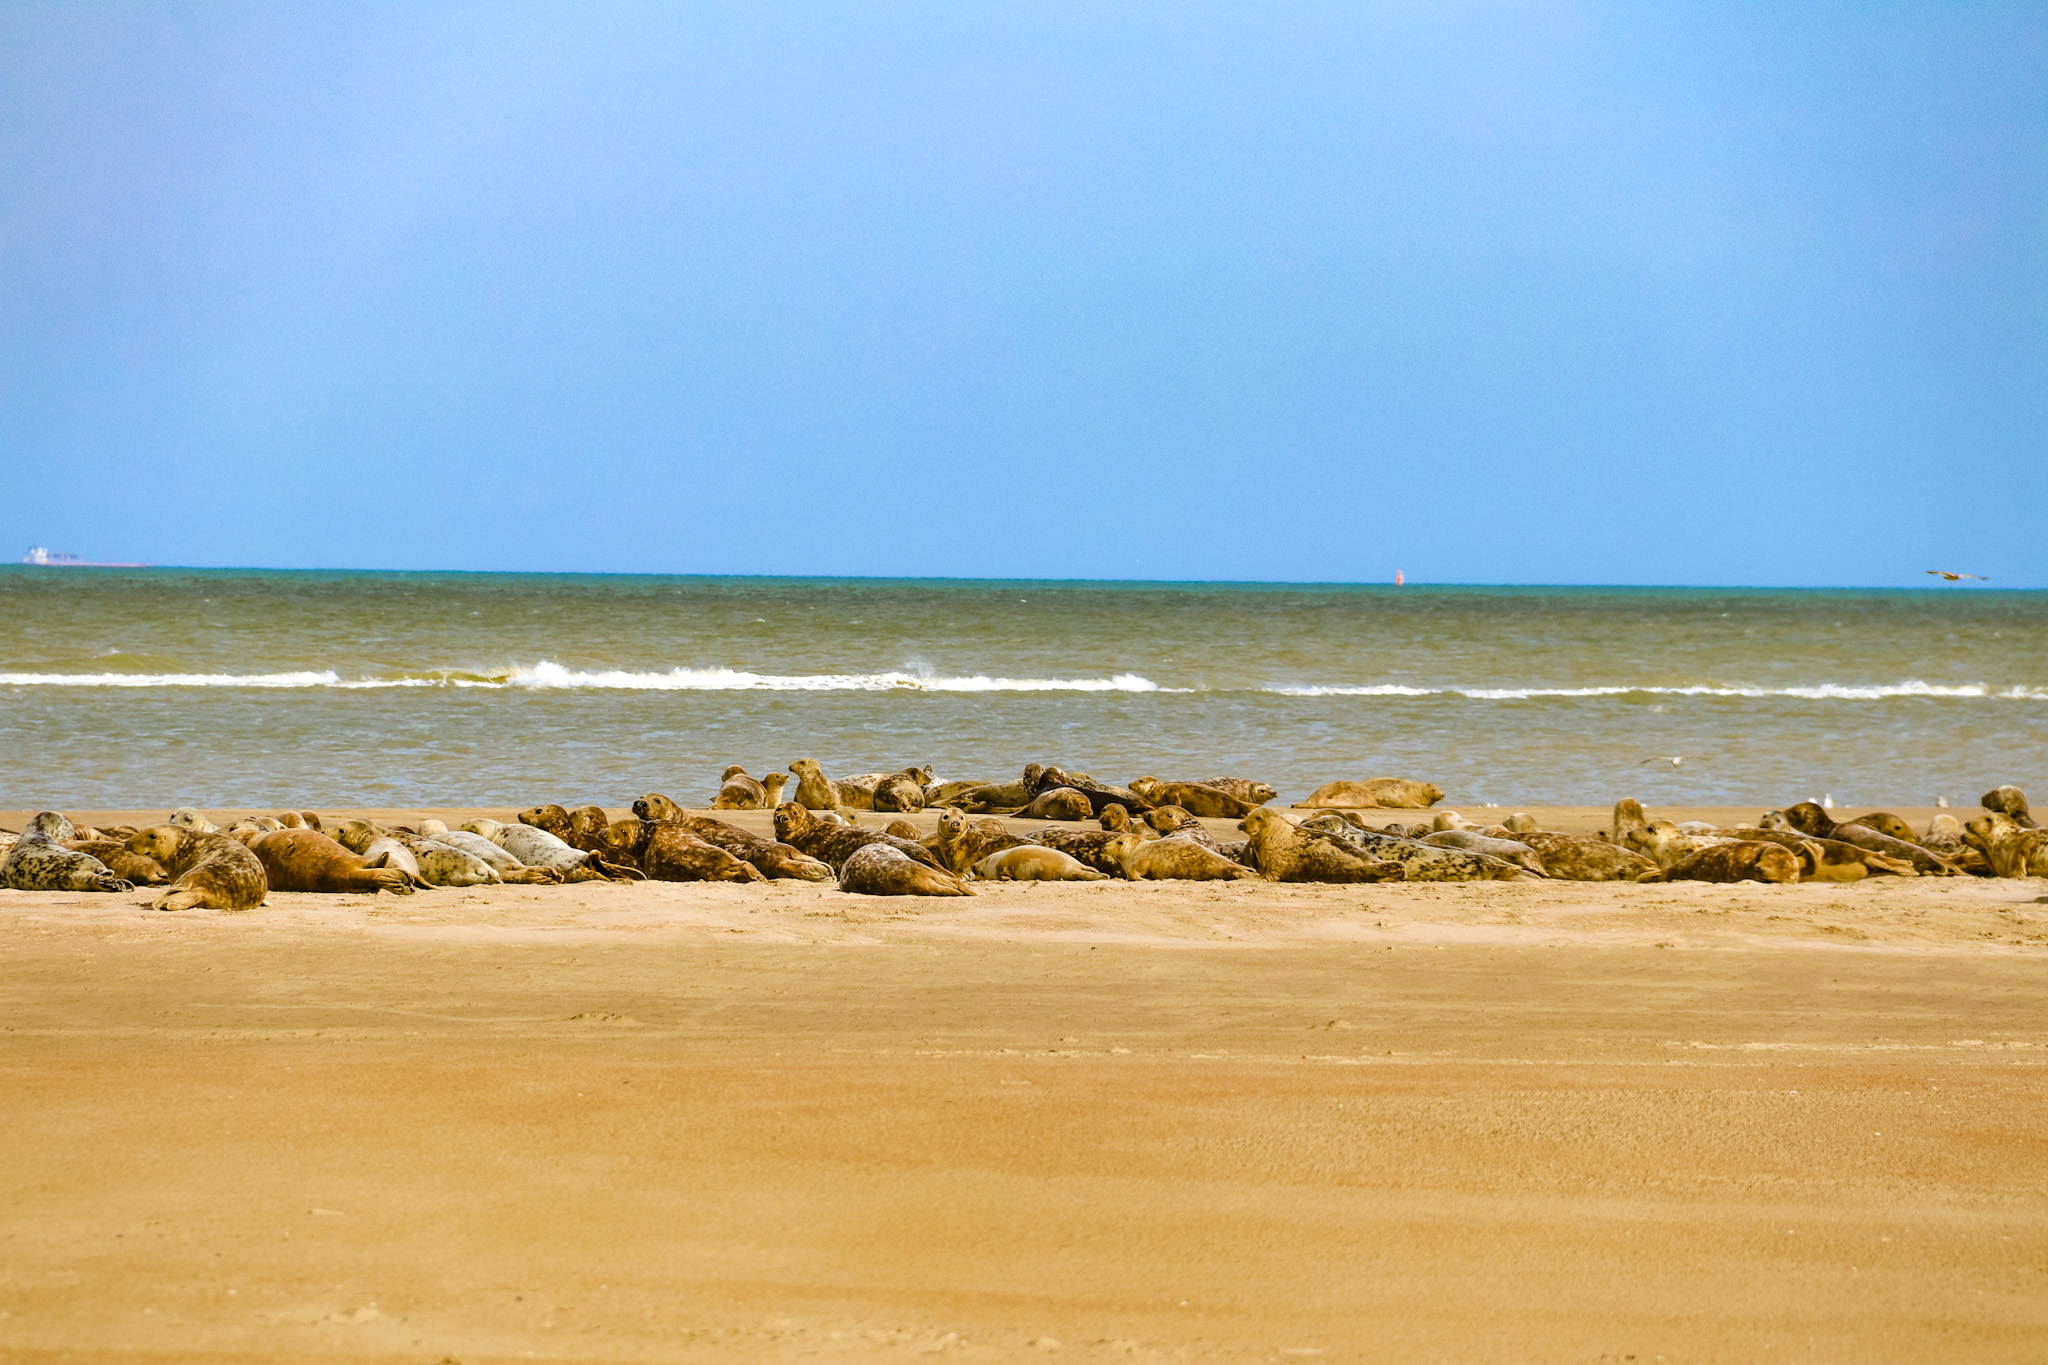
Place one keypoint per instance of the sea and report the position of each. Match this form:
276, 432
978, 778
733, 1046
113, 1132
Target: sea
249, 688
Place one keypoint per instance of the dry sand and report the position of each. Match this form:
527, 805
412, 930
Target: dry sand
655, 1122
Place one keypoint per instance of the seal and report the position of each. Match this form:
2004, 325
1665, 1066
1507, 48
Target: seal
814, 791
902, 791
1569, 858
1174, 860
538, 848
189, 817
1661, 842
1035, 863
1196, 798
1447, 820
508, 868
1093, 847
209, 870
1244, 789
1735, 861
948, 793
2010, 802
38, 862
1388, 793
1884, 822
737, 791
307, 860
129, 867
1827, 860
667, 851
773, 859
1521, 822
1514, 851
834, 844
1099, 794
960, 843
1629, 816
882, 869
1808, 818
1173, 822
1419, 862
2012, 849
1059, 803
1000, 797
903, 829
1286, 853
655, 806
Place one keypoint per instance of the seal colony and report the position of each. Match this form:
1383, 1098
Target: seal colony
1097, 831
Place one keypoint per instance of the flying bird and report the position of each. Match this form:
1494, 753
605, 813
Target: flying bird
1946, 576
1673, 759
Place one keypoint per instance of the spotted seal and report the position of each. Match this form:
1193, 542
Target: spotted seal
1567, 857
1734, 861
508, 868
884, 869
2011, 849
1243, 788
1099, 794
960, 843
667, 851
1286, 853
1388, 793
40, 862
773, 858
2010, 802
1809, 818
1059, 803
1827, 860
833, 844
538, 848
209, 870
1508, 850
1420, 862
1003, 797
129, 867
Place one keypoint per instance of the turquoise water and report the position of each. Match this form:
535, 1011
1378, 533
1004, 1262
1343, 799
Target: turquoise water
157, 687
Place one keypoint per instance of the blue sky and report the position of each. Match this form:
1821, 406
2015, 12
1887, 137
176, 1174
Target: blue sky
1718, 294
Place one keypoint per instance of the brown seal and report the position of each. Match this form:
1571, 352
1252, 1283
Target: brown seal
1828, 860
737, 791
1058, 803
669, 852
1390, 793
1285, 853
2010, 848
961, 843
655, 806
1174, 860
1884, 822
129, 867
1808, 818
1244, 789
1194, 797
210, 870
883, 869
1514, 851
2010, 802
1095, 847
833, 844
775, 860
306, 860
1569, 858
1629, 816
39, 860
814, 791
1740, 861
1099, 794
1004, 797
902, 791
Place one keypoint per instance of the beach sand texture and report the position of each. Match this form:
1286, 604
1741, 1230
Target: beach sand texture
657, 1122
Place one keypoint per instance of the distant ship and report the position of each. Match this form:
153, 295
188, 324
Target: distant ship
50, 559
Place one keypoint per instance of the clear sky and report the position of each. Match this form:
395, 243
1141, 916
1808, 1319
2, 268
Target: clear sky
1549, 293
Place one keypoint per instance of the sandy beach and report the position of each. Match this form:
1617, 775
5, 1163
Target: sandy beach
653, 1122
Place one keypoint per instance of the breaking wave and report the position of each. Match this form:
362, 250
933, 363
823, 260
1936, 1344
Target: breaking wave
547, 675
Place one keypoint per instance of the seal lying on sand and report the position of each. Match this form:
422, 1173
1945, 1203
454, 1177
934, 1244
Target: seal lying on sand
1058, 803
1093, 847
1243, 788
1419, 862
834, 844
2010, 802
960, 843
538, 848
1173, 822
1808, 818
882, 869
669, 852
902, 791
1827, 860
2012, 849
1099, 795
189, 817
1662, 844
1390, 793
129, 867
772, 858
1567, 857
1737, 861
999, 796
1508, 850
209, 870
1035, 863
38, 862
1193, 797
508, 868
1174, 860
307, 860
1286, 853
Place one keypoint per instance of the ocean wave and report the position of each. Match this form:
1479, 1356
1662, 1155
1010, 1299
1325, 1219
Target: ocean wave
548, 675
1822, 692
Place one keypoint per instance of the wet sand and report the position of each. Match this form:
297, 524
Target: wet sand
657, 1122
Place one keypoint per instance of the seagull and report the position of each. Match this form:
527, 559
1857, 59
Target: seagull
1673, 759
1946, 576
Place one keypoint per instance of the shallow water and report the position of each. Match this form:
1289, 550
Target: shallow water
158, 687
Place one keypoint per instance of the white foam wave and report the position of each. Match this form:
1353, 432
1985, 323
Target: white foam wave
1823, 692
